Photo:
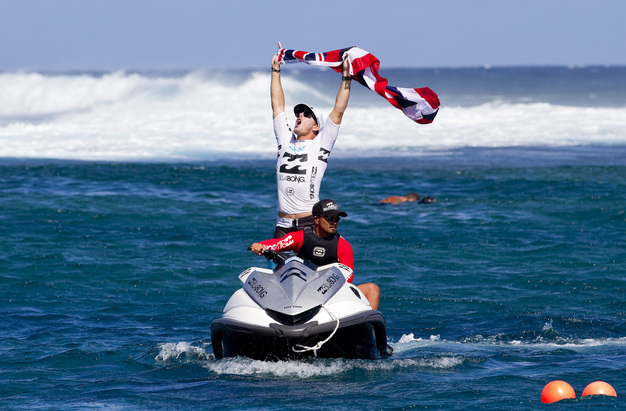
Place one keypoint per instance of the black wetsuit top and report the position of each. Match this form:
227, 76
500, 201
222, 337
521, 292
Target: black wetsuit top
320, 251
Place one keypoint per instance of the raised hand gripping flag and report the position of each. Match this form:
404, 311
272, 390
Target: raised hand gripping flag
419, 104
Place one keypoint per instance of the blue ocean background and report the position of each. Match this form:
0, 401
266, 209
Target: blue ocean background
127, 201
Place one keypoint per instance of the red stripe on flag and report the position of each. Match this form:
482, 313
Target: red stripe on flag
430, 96
300, 54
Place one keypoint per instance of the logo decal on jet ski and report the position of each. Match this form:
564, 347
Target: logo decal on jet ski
245, 273
291, 272
330, 281
257, 288
319, 251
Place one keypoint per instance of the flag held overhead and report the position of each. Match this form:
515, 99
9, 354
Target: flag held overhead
419, 104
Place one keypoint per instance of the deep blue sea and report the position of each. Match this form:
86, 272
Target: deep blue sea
127, 201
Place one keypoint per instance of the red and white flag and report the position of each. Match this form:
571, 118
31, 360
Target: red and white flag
418, 104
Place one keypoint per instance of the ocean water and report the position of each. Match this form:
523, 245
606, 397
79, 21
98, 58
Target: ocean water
127, 201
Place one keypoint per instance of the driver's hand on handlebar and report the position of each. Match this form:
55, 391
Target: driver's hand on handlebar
258, 248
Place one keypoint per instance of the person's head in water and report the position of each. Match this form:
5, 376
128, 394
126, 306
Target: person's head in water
410, 197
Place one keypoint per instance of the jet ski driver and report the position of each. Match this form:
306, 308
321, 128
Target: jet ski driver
329, 246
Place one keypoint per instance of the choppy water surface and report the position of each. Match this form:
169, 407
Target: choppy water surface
111, 274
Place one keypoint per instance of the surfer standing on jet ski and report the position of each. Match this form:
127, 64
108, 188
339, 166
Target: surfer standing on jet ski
302, 153
321, 244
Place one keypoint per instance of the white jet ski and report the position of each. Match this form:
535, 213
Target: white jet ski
298, 310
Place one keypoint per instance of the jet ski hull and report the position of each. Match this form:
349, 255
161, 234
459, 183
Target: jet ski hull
361, 336
297, 311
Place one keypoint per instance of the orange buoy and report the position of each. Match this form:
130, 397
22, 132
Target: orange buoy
599, 388
556, 391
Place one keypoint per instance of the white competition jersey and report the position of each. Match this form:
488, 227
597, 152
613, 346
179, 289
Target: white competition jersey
301, 165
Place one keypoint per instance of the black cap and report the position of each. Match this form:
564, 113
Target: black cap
327, 207
301, 108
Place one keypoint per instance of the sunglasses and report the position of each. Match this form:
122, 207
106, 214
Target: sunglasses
307, 114
331, 218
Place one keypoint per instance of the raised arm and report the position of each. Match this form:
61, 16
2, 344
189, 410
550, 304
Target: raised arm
341, 102
276, 88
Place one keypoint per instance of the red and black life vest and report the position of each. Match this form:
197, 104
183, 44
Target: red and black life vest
320, 251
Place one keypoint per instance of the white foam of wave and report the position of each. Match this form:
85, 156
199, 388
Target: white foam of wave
408, 343
403, 358
122, 116
487, 125
181, 351
287, 369
311, 369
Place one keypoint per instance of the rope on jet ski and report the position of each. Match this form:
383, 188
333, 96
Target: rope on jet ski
304, 348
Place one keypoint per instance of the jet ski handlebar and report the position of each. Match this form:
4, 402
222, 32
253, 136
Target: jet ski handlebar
275, 256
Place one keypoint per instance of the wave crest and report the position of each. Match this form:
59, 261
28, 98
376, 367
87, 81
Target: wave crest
200, 115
